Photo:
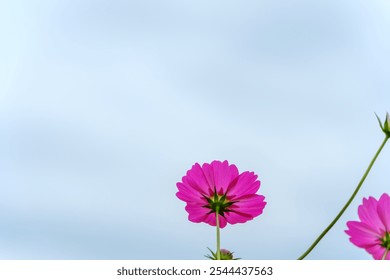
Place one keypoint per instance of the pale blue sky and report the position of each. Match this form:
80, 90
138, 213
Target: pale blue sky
104, 105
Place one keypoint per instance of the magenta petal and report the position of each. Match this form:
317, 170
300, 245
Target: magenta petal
197, 213
208, 173
212, 221
384, 210
377, 252
361, 227
237, 217
368, 214
224, 174
196, 179
246, 183
361, 235
189, 194
222, 221
252, 205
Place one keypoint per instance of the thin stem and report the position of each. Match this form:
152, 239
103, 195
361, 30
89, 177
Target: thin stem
385, 254
347, 204
218, 235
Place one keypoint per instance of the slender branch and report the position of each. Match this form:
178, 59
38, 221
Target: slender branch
347, 204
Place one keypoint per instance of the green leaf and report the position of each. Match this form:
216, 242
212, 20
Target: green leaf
380, 122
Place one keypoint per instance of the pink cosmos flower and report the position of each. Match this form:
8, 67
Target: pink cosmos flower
219, 187
372, 232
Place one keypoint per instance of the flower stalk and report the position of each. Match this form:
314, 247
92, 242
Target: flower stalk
351, 198
385, 254
218, 234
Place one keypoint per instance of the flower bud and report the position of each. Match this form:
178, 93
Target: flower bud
225, 255
386, 125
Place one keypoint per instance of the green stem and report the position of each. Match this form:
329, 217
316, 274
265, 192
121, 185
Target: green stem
218, 235
348, 202
385, 254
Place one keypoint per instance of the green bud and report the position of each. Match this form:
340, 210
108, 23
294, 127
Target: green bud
386, 125
225, 255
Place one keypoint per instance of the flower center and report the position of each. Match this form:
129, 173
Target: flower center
385, 241
218, 203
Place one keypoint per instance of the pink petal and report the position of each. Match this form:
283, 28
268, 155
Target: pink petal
197, 213
246, 183
198, 179
208, 173
237, 217
377, 252
384, 210
361, 234
212, 221
189, 194
251, 205
224, 174
368, 214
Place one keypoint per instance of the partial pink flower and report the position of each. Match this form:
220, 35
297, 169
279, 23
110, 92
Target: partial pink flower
372, 232
219, 185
